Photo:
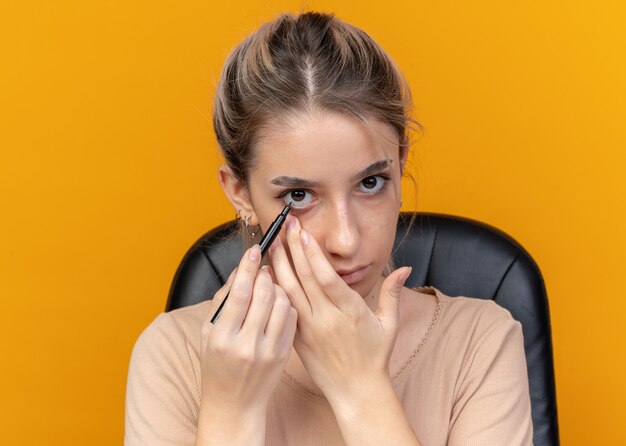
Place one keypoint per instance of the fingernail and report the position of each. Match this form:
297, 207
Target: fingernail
404, 276
254, 254
304, 236
290, 223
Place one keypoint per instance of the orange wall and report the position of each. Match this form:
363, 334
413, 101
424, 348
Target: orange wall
108, 161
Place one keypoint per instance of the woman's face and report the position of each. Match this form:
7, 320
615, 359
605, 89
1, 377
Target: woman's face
342, 176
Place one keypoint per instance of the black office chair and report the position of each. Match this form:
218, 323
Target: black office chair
459, 256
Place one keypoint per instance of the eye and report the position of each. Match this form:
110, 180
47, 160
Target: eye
373, 184
298, 198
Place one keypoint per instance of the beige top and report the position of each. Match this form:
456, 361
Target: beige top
465, 383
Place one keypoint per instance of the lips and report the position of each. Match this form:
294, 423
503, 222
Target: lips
353, 275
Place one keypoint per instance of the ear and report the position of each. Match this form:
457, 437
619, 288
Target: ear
237, 193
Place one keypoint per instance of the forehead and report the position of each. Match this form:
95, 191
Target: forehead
322, 144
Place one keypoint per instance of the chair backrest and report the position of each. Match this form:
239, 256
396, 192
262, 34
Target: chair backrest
459, 256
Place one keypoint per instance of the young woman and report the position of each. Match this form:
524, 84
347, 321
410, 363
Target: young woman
325, 346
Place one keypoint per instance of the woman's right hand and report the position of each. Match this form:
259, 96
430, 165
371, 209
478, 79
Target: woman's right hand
245, 351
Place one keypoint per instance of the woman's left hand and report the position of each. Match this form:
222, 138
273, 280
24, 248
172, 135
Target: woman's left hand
344, 346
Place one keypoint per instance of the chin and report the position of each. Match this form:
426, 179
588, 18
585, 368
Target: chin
366, 287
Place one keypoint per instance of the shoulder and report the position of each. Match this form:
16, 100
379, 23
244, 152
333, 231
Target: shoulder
480, 345
174, 336
472, 323
471, 311
491, 399
163, 384
182, 324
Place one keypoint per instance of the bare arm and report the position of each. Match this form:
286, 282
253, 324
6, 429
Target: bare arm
344, 346
373, 415
242, 358
220, 427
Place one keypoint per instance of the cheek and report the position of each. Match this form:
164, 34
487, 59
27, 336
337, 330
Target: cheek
379, 225
267, 213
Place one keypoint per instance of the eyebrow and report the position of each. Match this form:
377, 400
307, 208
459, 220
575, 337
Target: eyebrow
295, 182
372, 169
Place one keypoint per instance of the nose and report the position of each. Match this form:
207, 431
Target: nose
342, 235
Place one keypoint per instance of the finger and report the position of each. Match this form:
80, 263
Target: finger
270, 270
278, 316
389, 299
333, 285
287, 278
236, 307
288, 335
260, 305
301, 264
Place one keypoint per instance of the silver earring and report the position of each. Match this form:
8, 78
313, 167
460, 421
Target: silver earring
252, 230
238, 214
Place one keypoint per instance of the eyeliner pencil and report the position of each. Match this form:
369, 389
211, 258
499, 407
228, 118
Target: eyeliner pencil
266, 242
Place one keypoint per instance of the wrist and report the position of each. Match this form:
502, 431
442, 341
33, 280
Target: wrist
373, 416
221, 424
361, 395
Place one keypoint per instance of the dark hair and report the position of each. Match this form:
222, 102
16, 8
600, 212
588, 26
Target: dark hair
304, 64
